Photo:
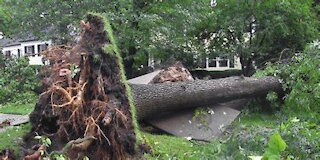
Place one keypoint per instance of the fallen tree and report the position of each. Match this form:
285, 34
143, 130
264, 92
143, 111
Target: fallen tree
86, 109
152, 99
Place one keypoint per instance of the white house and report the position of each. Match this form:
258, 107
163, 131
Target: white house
29, 47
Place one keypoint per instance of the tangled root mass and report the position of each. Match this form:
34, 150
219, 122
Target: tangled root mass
85, 98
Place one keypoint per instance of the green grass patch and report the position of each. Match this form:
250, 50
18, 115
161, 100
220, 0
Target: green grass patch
170, 147
249, 136
13, 136
13, 108
258, 119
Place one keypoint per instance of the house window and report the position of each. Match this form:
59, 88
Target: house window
29, 50
223, 61
19, 53
203, 63
212, 63
42, 47
7, 54
232, 62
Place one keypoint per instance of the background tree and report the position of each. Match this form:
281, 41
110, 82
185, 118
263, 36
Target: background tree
8, 22
3, 18
261, 30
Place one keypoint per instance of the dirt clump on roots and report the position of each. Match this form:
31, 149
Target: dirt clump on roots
175, 73
85, 110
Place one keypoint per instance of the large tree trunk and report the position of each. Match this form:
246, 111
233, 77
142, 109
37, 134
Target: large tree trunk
153, 99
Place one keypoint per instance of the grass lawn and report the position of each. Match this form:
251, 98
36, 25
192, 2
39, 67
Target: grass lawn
170, 147
12, 108
248, 136
12, 136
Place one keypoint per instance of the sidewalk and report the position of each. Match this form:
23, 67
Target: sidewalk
14, 120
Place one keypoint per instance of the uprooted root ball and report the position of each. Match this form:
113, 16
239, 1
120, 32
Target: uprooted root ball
86, 103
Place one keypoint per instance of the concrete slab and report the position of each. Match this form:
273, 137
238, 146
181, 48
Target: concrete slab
181, 123
14, 120
144, 79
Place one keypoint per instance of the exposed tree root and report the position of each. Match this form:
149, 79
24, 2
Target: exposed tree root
37, 154
86, 107
6, 154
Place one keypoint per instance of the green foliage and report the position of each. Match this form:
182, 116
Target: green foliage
300, 79
74, 70
303, 138
249, 136
272, 96
181, 30
276, 145
4, 18
161, 28
274, 101
58, 157
247, 140
261, 30
43, 140
200, 114
58, 19
17, 81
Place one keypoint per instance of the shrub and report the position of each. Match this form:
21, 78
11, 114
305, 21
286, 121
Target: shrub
17, 81
300, 79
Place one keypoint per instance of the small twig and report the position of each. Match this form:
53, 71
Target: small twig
73, 114
52, 103
124, 116
282, 52
99, 129
92, 122
101, 113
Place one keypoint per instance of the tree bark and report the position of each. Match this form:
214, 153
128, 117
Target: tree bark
152, 99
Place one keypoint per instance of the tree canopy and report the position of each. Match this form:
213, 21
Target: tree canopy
3, 18
261, 30
185, 30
